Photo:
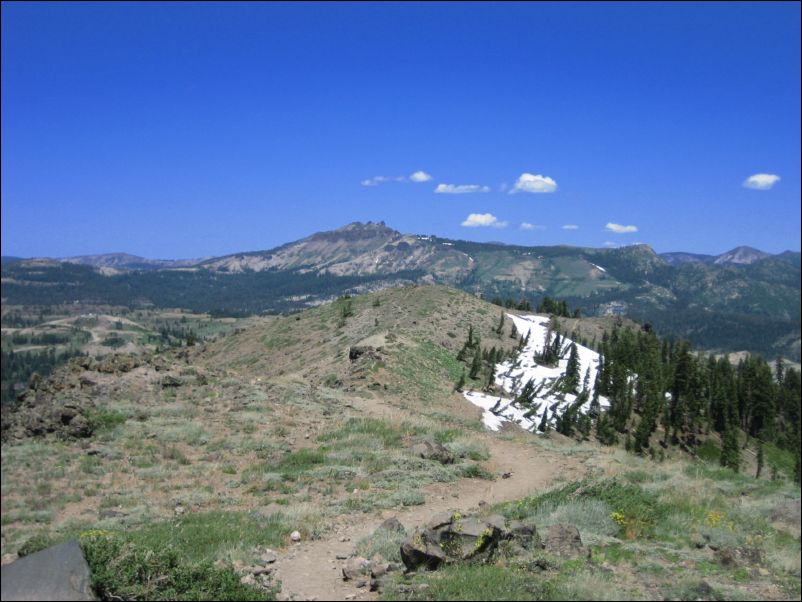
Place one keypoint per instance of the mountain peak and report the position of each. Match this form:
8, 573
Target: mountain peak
741, 255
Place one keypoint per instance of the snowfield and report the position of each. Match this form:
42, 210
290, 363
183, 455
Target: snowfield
511, 376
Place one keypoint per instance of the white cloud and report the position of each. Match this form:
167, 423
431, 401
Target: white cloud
619, 229
420, 176
460, 188
483, 220
570, 227
528, 182
417, 177
528, 226
376, 180
761, 181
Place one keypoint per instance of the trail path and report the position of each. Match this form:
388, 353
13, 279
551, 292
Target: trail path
310, 570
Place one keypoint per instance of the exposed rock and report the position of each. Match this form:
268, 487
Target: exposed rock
170, 380
450, 537
419, 551
355, 567
431, 450
56, 573
357, 351
393, 525
295, 536
564, 540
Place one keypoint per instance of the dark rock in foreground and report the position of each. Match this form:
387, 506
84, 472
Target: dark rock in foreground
57, 573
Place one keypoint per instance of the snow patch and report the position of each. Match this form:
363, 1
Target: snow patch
512, 376
598, 267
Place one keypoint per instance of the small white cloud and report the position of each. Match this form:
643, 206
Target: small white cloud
761, 181
570, 227
619, 229
420, 176
376, 180
528, 226
460, 188
483, 220
528, 182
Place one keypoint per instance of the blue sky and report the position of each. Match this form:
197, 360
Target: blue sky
189, 130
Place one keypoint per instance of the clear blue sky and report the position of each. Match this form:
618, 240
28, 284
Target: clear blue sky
188, 130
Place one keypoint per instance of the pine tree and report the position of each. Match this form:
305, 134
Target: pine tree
759, 460
500, 326
544, 422
730, 450
571, 382
461, 382
476, 365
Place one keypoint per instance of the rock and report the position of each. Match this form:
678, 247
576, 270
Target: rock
355, 567
452, 537
703, 589
379, 569
169, 380
56, 573
564, 540
440, 519
295, 536
419, 551
104, 514
268, 557
524, 535
431, 450
248, 579
376, 585
392, 525
341, 557
469, 537
727, 557
179, 510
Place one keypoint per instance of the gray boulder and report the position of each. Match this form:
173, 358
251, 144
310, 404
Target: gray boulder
431, 450
564, 540
451, 537
420, 550
56, 573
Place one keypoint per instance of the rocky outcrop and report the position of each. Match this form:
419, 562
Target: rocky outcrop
431, 450
56, 573
564, 540
451, 537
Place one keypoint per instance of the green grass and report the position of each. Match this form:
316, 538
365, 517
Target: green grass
102, 420
709, 451
470, 582
126, 570
781, 458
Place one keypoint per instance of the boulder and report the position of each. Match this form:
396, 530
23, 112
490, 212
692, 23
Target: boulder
392, 525
170, 380
431, 450
420, 551
56, 573
451, 537
564, 540
356, 567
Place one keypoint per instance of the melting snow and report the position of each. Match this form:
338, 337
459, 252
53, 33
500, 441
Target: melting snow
511, 376
598, 267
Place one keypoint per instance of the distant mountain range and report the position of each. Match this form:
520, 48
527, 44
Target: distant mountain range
743, 299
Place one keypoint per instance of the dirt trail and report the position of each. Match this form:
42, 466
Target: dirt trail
310, 570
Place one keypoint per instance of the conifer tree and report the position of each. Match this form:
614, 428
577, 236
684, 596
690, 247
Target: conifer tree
476, 365
759, 460
460, 383
571, 382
